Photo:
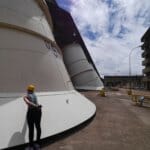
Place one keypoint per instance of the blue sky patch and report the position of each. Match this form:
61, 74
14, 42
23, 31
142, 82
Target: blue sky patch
123, 31
90, 34
65, 4
116, 26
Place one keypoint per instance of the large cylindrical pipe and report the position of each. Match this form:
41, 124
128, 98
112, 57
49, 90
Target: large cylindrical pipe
81, 71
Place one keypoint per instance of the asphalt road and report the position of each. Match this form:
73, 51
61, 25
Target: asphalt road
118, 125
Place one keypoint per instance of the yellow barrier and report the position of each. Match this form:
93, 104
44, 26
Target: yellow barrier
134, 98
129, 92
102, 93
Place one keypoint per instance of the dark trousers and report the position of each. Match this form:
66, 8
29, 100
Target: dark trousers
34, 119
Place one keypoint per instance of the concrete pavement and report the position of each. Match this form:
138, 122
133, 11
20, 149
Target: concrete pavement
118, 125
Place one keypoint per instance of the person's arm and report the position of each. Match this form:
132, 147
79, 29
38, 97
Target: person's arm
30, 103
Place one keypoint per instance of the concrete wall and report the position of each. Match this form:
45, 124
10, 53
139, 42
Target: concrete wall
25, 59
26, 14
27, 56
81, 71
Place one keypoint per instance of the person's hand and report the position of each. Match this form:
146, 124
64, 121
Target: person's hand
39, 106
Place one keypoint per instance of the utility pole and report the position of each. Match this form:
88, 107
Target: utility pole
130, 72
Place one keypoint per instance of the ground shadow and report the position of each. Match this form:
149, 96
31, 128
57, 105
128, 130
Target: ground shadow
52, 139
146, 107
18, 137
143, 106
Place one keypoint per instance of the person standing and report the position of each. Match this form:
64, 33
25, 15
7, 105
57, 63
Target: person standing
34, 114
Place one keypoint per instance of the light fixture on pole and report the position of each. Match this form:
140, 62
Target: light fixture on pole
130, 92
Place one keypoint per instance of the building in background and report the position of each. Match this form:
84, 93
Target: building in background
146, 56
124, 81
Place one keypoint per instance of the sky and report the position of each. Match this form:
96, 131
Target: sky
110, 30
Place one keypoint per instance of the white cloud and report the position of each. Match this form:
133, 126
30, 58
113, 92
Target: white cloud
87, 11
120, 25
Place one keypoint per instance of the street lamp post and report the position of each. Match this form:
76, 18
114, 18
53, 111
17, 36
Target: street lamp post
130, 92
